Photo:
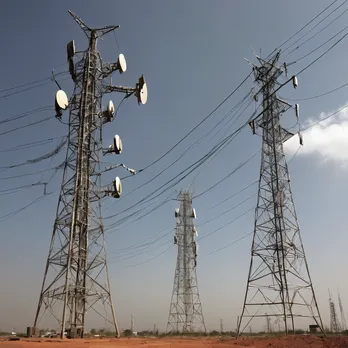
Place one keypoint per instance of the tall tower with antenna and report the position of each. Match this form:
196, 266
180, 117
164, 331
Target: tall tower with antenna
279, 282
334, 322
343, 319
76, 279
185, 314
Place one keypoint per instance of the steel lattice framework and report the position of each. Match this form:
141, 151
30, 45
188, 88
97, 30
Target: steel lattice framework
334, 322
185, 313
279, 282
76, 278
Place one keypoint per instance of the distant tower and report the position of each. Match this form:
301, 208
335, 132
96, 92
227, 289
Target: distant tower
334, 323
343, 319
278, 282
132, 323
185, 309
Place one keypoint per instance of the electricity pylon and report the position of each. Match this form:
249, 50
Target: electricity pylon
76, 278
334, 323
343, 319
279, 282
185, 314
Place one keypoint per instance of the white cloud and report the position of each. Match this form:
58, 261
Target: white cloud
327, 139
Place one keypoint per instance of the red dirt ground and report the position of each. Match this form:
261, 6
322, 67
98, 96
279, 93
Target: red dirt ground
255, 342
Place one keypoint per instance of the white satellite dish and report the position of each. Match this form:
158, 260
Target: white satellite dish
194, 213
70, 48
111, 108
62, 101
177, 212
117, 187
142, 90
117, 144
121, 63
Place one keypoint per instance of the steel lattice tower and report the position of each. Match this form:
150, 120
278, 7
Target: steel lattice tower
279, 282
334, 322
76, 278
185, 313
343, 319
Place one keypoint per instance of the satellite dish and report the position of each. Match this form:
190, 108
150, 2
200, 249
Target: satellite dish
121, 63
111, 108
70, 48
142, 90
117, 187
117, 144
194, 213
62, 101
177, 212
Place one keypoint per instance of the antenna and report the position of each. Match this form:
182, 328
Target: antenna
117, 187
70, 49
121, 64
76, 278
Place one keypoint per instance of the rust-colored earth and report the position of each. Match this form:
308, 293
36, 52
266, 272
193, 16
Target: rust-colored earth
255, 342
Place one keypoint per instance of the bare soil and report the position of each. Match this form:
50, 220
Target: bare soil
252, 342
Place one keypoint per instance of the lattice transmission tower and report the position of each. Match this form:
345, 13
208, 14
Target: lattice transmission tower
334, 322
185, 314
279, 282
343, 319
76, 279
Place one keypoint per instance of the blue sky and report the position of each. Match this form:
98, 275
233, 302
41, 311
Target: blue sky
192, 55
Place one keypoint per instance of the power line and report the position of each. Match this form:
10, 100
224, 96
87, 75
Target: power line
27, 125
28, 89
228, 210
317, 25
314, 35
136, 246
305, 26
322, 55
31, 144
195, 127
139, 252
31, 83
25, 114
227, 224
223, 143
150, 259
233, 243
217, 148
228, 175
233, 195
32, 173
17, 211
325, 118
319, 95
36, 160
323, 44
